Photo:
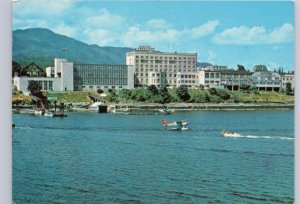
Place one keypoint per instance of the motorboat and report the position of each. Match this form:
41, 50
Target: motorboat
226, 133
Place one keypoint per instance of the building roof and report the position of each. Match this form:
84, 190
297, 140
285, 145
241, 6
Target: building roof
33, 70
230, 71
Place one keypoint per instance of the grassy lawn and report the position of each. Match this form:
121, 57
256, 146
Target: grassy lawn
263, 97
76, 96
236, 96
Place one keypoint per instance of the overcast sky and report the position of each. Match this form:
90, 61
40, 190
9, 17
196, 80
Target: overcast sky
223, 33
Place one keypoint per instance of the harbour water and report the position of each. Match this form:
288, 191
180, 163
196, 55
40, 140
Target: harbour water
107, 158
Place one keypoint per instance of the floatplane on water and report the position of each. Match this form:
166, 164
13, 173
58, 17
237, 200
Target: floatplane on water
176, 125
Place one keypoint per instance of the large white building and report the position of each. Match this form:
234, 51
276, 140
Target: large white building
69, 76
161, 68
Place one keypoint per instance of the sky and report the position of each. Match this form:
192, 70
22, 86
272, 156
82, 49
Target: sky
220, 32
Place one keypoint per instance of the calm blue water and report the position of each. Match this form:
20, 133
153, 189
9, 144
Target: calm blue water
105, 158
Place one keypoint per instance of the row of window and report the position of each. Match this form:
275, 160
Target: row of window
44, 85
77, 88
187, 81
101, 82
287, 78
164, 57
164, 62
164, 70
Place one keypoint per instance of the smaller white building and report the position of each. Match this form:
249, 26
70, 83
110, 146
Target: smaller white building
287, 78
210, 78
59, 78
190, 79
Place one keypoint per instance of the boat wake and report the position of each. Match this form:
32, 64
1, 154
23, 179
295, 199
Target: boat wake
261, 137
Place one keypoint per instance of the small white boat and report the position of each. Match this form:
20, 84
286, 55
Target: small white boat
40, 112
49, 114
230, 134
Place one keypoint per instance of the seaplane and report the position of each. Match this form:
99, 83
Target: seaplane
176, 125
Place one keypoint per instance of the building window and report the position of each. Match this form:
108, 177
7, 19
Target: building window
51, 85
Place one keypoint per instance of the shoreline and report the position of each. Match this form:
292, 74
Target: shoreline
144, 107
209, 106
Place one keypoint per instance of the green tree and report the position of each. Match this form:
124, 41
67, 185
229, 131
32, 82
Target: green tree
138, 95
241, 67
288, 88
165, 95
213, 91
112, 96
245, 87
124, 94
201, 86
223, 94
16, 68
152, 89
100, 91
34, 88
199, 97
182, 93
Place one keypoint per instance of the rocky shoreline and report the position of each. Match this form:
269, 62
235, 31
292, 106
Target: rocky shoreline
84, 107
209, 106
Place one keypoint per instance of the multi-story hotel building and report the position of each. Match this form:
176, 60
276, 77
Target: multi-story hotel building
160, 68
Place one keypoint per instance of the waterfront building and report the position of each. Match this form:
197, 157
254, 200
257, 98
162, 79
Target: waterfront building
288, 78
32, 70
69, 76
210, 78
233, 79
266, 81
215, 67
60, 80
190, 79
92, 77
160, 68
222, 77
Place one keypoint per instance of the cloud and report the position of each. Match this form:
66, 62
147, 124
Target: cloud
158, 24
160, 31
204, 29
104, 19
211, 56
101, 37
30, 23
256, 35
65, 30
135, 35
41, 7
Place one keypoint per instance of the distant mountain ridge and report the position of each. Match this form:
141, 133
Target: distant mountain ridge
41, 45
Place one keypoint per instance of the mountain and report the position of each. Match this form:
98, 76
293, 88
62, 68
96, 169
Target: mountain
203, 64
41, 45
